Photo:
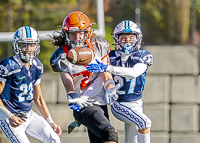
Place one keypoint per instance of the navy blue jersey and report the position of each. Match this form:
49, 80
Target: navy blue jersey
17, 94
131, 88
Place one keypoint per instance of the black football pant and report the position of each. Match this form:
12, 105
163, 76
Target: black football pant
96, 119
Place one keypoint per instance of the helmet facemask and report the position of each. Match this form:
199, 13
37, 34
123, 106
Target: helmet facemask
127, 46
76, 38
28, 51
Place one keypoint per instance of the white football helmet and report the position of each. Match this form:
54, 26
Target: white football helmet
127, 27
24, 38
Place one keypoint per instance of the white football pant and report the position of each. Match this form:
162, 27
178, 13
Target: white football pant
35, 126
131, 113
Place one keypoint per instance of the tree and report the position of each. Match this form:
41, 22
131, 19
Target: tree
177, 19
162, 21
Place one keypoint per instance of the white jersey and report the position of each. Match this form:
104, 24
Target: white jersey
85, 82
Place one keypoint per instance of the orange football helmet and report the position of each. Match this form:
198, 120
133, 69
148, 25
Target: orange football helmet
77, 22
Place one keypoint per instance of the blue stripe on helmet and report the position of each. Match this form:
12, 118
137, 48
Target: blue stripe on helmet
16, 34
28, 31
126, 24
127, 27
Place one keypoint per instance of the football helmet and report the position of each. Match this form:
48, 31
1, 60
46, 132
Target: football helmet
76, 22
128, 28
26, 43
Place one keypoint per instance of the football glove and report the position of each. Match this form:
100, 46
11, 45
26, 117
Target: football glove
81, 101
111, 94
75, 107
97, 68
22, 116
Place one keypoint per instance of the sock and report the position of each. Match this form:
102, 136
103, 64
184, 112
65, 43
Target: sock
143, 138
131, 133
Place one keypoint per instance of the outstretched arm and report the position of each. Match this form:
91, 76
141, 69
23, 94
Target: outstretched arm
133, 72
42, 106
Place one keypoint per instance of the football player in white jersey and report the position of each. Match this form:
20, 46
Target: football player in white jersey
85, 89
129, 66
20, 78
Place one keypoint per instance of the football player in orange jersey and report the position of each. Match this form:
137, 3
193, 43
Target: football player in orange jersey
85, 89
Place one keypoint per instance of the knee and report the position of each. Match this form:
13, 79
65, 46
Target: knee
146, 124
145, 131
110, 134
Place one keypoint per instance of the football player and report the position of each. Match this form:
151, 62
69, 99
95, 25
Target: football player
20, 78
85, 89
129, 66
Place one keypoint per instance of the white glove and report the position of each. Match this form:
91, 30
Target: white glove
111, 94
82, 101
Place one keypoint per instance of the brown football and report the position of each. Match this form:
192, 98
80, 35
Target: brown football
80, 56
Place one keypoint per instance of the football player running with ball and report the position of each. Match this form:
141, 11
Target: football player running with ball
129, 66
20, 78
85, 89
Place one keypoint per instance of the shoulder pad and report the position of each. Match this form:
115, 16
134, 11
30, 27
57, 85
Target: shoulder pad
8, 66
101, 46
58, 61
38, 64
146, 57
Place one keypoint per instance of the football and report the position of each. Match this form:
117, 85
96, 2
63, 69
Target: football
80, 55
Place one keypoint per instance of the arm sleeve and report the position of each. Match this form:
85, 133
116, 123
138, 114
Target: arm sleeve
94, 88
133, 72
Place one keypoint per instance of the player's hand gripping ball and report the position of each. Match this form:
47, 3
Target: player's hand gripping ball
80, 55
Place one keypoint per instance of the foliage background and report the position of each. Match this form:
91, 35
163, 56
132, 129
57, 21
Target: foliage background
162, 21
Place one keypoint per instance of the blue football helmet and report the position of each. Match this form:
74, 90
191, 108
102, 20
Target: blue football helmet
128, 29
24, 38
